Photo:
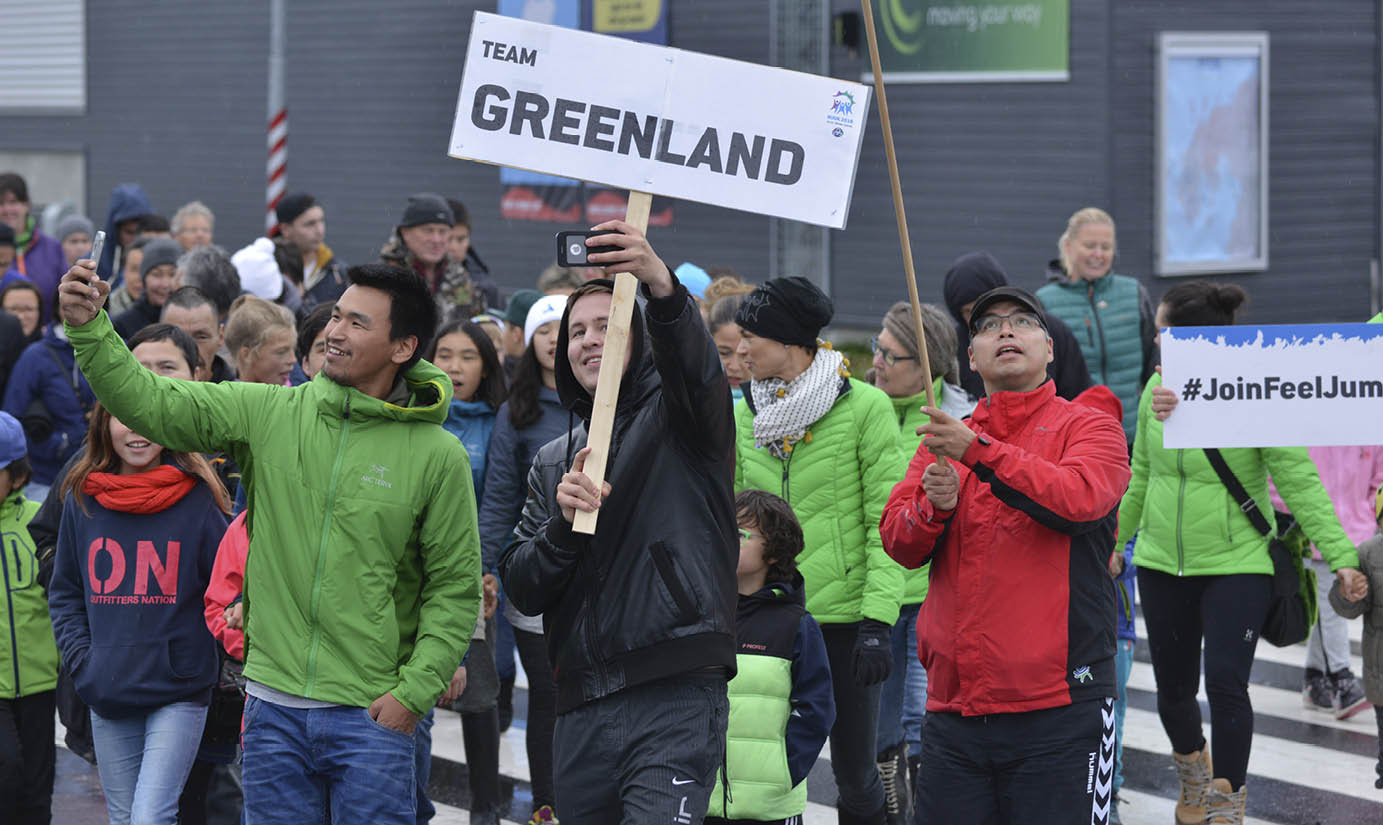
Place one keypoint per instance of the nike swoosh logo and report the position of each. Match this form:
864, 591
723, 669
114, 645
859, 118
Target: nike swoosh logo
675, 781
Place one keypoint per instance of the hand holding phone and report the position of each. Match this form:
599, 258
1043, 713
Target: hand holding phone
572, 249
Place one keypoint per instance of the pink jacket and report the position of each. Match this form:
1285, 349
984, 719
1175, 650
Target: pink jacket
1351, 475
227, 580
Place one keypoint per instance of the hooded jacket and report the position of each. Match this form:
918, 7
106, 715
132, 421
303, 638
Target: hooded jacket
1021, 611
472, 422
46, 372
28, 655
1371, 608
837, 479
364, 565
1189, 525
326, 283
456, 293
42, 262
126, 601
975, 274
127, 201
652, 594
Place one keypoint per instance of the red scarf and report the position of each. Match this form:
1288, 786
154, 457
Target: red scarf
152, 491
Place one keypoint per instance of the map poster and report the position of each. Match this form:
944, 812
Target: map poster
1212, 153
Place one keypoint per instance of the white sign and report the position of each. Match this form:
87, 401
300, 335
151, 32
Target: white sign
1310, 385
654, 119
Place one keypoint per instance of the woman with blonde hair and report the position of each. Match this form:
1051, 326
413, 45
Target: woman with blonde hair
261, 340
1110, 314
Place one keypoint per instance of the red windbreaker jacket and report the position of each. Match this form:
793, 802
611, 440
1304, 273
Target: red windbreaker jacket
1021, 612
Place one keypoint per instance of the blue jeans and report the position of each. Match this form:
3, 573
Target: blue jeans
1123, 666
144, 761
422, 756
301, 765
903, 698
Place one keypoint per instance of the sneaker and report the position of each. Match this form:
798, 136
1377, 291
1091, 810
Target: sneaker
1349, 695
543, 816
1317, 693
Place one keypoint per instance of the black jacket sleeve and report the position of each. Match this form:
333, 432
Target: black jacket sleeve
696, 393
540, 561
1068, 367
813, 703
1147, 327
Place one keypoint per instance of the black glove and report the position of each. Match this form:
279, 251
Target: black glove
873, 652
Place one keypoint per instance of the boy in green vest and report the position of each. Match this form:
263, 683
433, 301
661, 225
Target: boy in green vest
28, 654
781, 703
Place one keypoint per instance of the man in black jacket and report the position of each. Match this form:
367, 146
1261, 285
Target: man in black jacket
639, 617
972, 275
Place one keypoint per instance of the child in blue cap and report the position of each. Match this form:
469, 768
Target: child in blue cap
28, 654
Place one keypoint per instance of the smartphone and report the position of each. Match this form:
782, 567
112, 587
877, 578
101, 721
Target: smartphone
96, 246
572, 249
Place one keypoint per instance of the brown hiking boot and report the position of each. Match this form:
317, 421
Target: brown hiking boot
1195, 774
1223, 806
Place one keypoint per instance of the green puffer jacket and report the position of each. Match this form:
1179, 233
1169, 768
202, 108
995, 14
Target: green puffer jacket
1112, 319
363, 574
1189, 525
28, 654
837, 480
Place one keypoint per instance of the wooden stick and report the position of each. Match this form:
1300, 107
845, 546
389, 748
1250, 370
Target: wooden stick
898, 211
611, 366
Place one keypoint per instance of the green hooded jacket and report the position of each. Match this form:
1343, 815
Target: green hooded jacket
837, 480
28, 654
363, 575
910, 416
1189, 525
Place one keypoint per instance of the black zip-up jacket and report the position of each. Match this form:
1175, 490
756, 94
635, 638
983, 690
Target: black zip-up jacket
652, 594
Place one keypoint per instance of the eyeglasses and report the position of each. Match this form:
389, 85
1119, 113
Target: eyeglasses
745, 535
889, 358
1019, 321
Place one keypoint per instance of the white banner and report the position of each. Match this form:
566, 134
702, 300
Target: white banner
655, 119
1310, 385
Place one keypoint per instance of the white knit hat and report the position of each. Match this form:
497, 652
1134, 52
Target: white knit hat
547, 308
259, 272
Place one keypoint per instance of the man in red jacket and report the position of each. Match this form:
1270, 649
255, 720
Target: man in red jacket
1017, 632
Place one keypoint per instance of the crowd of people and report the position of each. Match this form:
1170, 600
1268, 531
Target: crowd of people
266, 512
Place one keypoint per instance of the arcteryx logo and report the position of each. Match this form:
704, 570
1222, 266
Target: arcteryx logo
376, 476
106, 568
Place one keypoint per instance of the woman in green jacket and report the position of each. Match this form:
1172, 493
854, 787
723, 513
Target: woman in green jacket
897, 370
829, 446
1204, 572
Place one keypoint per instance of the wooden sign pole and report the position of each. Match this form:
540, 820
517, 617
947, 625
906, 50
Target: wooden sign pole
898, 211
611, 365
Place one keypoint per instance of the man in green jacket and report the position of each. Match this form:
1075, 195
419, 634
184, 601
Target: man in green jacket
363, 577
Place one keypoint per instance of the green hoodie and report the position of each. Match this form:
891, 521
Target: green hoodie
363, 575
28, 655
910, 417
1187, 523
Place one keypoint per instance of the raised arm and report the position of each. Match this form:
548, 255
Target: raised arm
188, 416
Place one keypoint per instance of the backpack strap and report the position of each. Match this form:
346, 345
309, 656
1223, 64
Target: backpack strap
1246, 503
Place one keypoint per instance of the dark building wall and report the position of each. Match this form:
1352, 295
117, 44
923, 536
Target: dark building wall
177, 103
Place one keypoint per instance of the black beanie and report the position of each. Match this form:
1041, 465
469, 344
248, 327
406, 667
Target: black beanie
426, 207
292, 206
788, 310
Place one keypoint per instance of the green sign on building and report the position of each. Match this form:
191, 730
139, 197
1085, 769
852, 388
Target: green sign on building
923, 42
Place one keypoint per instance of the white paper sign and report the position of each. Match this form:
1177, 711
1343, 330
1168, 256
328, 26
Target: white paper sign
1310, 385
655, 119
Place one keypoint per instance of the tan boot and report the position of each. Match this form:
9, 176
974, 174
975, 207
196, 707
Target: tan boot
1195, 773
1223, 806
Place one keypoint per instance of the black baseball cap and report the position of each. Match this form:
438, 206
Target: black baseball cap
1002, 294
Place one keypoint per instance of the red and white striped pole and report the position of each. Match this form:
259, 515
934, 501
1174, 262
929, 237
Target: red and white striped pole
276, 168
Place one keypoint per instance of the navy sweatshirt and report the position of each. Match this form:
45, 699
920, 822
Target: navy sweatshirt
126, 603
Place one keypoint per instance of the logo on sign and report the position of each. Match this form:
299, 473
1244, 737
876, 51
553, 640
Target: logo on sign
842, 112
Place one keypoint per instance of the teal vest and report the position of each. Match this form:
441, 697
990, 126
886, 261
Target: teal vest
756, 754
1106, 318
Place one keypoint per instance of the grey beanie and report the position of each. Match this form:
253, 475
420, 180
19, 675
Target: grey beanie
75, 223
159, 251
